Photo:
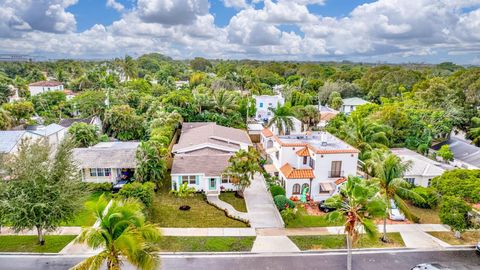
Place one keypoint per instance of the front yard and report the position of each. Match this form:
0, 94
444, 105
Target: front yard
303, 219
237, 203
85, 217
468, 237
165, 213
205, 244
29, 243
339, 242
427, 216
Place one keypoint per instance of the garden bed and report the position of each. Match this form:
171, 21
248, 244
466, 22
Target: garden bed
236, 202
318, 242
205, 244
468, 237
29, 243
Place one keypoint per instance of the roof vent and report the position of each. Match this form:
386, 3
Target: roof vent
323, 139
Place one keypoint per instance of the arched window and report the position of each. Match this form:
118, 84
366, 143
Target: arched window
304, 186
296, 189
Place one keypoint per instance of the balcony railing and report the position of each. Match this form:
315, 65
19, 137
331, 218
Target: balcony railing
335, 174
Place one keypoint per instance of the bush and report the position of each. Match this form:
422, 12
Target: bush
143, 192
454, 213
277, 190
99, 187
282, 202
430, 196
289, 215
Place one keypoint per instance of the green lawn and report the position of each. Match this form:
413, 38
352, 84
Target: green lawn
304, 220
467, 238
28, 243
237, 203
339, 242
205, 244
165, 213
84, 217
427, 216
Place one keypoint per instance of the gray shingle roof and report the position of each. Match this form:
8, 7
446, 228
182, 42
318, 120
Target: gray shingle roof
8, 139
107, 155
45, 131
355, 101
420, 165
463, 150
211, 165
70, 121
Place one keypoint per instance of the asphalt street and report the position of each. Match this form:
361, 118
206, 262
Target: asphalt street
455, 259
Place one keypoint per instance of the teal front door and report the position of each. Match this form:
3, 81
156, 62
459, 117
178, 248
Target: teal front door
213, 184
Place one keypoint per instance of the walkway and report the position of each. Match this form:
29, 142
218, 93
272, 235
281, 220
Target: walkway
228, 208
262, 212
274, 244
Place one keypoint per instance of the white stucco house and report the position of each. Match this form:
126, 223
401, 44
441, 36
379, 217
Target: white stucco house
350, 104
44, 86
326, 114
263, 103
422, 169
202, 154
318, 161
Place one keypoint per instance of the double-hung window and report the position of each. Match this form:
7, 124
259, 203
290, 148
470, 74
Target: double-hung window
225, 179
100, 172
189, 179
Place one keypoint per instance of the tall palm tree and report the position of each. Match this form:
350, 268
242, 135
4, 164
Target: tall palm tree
388, 171
122, 233
242, 168
224, 101
282, 119
129, 67
358, 204
309, 115
151, 165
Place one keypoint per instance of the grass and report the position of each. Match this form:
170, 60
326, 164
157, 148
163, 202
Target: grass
427, 216
28, 243
304, 220
237, 203
85, 218
165, 213
467, 238
339, 242
205, 244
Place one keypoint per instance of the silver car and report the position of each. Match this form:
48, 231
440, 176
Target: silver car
430, 266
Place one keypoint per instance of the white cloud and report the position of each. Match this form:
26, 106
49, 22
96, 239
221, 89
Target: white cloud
171, 12
239, 4
115, 5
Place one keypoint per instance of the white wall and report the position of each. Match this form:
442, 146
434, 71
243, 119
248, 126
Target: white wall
99, 179
35, 90
262, 103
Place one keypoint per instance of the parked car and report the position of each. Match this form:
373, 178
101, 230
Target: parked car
430, 266
477, 248
325, 208
395, 213
116, 187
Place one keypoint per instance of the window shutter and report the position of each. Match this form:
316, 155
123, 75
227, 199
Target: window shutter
179, 180
197, 179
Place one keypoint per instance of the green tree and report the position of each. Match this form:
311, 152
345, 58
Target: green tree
309, 116
20, 111
225, 102
200, 64
4, 93
142, 192
41, 192
122, 233
462, 183
123, 123
242, 168
151, 162
89, 103
445, 153
84, 135
6, 120
282, 119
335, 100
358, 204
129, 68
454, 213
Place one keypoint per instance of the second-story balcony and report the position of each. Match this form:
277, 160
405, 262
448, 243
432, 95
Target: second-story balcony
335, 174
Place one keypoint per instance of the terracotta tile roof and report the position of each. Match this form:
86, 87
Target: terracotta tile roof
327, 116
303, 152
291, 173
267, 133
339, 181
46, 83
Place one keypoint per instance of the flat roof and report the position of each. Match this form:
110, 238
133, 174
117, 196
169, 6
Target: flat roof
320, 141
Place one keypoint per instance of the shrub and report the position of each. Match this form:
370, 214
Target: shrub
461, 183
143, 192
428, 194
289, 215
454, 213
277, 190
99, 187
282, 202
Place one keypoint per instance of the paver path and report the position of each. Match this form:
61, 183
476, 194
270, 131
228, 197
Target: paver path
262, 212
231, 211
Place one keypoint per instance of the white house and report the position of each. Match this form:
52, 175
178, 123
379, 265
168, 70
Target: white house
326, 114
422, 169
315, 160
107, 161
350, 104
44, 86
202, 154
263, 103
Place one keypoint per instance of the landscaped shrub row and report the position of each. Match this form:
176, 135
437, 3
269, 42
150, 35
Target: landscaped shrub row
142, 192
277, 190
282, 202
429, 195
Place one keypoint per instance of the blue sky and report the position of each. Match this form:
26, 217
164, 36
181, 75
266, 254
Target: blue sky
357, 30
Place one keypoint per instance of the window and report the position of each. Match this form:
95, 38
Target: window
270, 105
304, 160
189, 179
100, 172
410, 180
225, 179
296, 189
277, 155
312, 163
429, 182
304, 186
323, 190
261, 104
108, 172
93, 172
336, 169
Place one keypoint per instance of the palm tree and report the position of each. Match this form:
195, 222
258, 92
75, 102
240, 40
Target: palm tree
282, 119
309, 115
129, 67
151, 165
6, 120
358, 203
122, 233
224, 101
388, 171
242, 168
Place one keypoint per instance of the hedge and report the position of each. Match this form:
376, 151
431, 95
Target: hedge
281, 201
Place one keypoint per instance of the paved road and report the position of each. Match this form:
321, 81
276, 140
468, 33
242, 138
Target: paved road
458, 260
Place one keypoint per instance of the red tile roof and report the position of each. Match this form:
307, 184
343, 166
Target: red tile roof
267, 133
327, 116
291, 173
303, 152
46, 83
339, 181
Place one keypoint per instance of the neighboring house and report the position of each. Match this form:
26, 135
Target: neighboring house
92, 120
202, 154
466, 155
297, 127
52, 133
44, 86
10, 139
263, 104
254, 131
318, 161
107, 161
350, 104
422, 169
326, 114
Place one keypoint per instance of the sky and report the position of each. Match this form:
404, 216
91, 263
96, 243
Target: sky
383, 31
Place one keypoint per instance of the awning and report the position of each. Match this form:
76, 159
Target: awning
327, 186
271, 150
270, 168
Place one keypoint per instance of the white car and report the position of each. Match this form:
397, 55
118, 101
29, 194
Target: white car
395, 213
430, 266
